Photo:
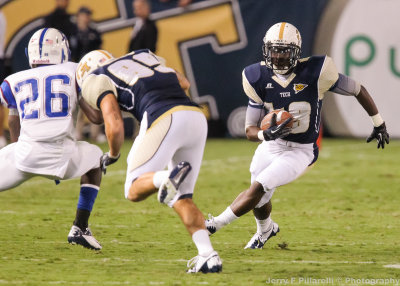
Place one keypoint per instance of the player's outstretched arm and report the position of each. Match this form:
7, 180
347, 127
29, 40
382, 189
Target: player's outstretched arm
379, 132
348, 86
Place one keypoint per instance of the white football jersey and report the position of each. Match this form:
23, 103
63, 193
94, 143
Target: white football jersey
46, 99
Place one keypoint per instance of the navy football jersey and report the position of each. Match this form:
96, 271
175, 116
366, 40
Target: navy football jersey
300, 93
140, 82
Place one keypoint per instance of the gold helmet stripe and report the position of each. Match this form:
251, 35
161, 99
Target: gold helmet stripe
105, 53
283, 24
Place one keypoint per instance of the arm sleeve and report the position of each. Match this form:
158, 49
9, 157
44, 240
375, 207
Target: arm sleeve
253, 115
346, 86
95, 87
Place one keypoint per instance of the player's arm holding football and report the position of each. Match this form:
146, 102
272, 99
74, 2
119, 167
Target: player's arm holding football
254, 114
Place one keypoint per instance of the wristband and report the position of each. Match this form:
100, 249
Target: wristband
377, 120
260, 135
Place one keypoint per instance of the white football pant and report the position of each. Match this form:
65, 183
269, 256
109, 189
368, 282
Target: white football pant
175, 137
279, 162
54, 161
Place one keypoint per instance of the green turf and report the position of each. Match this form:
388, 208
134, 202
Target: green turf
340, 220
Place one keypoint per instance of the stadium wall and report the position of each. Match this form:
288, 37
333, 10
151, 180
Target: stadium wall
211, 41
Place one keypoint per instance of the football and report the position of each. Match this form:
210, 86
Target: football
281, 116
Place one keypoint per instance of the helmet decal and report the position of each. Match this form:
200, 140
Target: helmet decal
41, 41
281, 30
90, 62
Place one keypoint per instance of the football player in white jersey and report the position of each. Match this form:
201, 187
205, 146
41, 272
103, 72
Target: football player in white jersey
43, 103
284, 81
173, 133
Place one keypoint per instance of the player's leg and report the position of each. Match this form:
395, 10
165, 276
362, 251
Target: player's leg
85, 163
191, 152
290, 164
269, 170
262, 215
152, 150
243, 203
247, 199
207, 259
266, 227
10, 176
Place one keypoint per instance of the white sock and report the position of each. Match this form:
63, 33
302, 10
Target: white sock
226, 217
202, 242
159, 178
263, 225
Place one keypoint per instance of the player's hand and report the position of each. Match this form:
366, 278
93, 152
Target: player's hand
107, 160
277, 131
380, 134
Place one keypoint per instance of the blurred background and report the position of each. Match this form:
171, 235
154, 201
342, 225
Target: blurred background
211, 41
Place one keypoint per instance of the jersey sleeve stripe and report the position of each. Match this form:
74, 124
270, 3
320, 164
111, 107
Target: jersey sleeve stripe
100, 98
249, 90
255, 104
7, 95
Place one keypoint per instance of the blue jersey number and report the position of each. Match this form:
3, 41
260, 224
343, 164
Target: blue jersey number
61, 97
56, 104
33, 83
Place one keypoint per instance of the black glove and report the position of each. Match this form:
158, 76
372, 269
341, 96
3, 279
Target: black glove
106, 160
380, 134
277, 131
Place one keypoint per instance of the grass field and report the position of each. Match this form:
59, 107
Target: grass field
340, 225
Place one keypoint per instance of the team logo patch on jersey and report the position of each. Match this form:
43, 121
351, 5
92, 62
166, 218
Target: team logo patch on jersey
269, 85
299, 87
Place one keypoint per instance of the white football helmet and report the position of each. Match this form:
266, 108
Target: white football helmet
90, 62
282, 38
48, 46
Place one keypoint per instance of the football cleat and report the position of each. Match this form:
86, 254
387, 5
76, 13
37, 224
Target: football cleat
258, 240
169, 188
211, 225
205, 264
84, 238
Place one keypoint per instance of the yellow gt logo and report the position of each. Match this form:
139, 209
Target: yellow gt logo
297, 87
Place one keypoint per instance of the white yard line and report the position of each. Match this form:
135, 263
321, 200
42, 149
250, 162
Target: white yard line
63, 282
397, 266
247, 261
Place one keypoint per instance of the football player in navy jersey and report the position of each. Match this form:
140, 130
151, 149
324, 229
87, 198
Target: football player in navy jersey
284, 81
173, 132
